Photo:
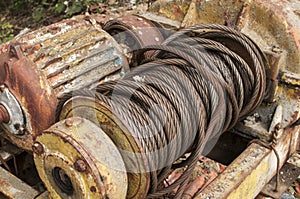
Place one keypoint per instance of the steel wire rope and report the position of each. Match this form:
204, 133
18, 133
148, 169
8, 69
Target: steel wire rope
196, 85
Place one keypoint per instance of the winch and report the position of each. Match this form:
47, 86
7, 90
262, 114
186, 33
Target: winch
192, 99
43, 65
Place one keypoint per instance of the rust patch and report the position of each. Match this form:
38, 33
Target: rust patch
31, 89
54, 30
139, 28
4, 115
71, 22
204, 173
294, 118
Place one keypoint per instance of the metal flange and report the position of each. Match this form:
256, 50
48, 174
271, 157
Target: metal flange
17, 123
76, 159
128, 145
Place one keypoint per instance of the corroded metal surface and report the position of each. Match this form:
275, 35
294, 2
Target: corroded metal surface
278, 29
247, 175
129, 147
204, 173
33, 107
143, 31
79, 160
73, 54
67, 54
287, 175
134, 32
192, 12
290, 78
174, 10
274, 25
40, 66
4, 115
12, 187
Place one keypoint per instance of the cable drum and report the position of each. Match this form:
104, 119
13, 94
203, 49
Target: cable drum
195, 86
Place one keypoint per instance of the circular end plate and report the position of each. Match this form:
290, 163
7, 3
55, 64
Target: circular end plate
129, 146
76, 159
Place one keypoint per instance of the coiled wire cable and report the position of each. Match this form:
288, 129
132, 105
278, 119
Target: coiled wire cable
196, 85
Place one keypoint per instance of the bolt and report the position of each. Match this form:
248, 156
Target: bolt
80, 165
37, 148
73, 121
2, 88
21, 129
4, 115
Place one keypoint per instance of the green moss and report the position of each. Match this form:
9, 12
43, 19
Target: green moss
6, 32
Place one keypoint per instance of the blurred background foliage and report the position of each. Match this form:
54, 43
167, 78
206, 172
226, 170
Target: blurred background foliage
15, 15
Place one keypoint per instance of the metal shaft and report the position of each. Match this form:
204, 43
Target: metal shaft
4, 115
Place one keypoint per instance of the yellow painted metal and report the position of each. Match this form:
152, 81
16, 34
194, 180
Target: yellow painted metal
174, 10
290, 78
273, 25
129, 147
76, 159
247, 175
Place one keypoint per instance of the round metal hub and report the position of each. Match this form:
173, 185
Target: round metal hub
78, 160
17, 123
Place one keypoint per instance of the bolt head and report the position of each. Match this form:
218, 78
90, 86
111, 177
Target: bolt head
37, 148
80, 165
73, 121
2, 88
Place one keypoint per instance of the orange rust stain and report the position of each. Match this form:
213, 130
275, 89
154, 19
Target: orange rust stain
295, 32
